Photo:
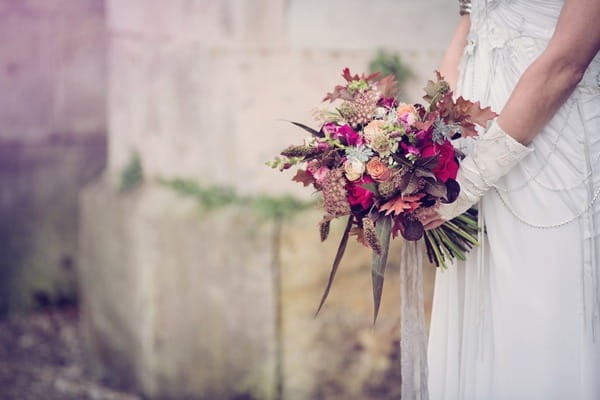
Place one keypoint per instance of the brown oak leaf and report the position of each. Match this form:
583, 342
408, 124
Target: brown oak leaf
400, 204
303, 177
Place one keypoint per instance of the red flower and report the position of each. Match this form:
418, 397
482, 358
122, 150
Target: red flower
359, 197
447, 167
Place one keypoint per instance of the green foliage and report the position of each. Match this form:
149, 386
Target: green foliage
209, 196
214, 196
132, 174
280, 207
389, 63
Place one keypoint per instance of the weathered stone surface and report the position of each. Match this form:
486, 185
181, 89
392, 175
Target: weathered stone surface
53, 66
206, 23
199, 89
217, 116
338, 354
179, 301
176, 301
357, 24
38, 220
52, 141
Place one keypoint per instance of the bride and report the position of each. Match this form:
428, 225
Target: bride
520, 319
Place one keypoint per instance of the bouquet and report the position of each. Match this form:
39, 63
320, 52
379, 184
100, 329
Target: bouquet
384, 165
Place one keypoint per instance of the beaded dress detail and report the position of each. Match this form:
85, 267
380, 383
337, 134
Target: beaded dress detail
520, 319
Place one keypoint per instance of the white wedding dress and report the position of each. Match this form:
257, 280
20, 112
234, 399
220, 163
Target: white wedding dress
520, 319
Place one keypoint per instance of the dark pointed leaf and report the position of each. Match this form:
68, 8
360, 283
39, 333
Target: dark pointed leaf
312, 131
421, 173
428, 163
336, 262
436, 189
384, 229
413, 185
371, 187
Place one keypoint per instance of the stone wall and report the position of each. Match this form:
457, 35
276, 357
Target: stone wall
52, 141
208, 83
179, 301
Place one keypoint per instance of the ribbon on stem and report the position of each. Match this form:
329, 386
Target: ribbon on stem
413, 335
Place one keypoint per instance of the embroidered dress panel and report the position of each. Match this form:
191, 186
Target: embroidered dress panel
520, 319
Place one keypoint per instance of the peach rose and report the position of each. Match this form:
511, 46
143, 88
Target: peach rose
404, 108
406, 112
378, 170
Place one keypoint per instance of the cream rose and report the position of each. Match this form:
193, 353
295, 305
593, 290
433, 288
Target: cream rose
354, 169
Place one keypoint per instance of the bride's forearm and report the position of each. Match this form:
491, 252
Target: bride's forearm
449, 65
540, 92
550, 80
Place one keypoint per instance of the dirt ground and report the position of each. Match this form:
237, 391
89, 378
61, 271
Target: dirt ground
41, 358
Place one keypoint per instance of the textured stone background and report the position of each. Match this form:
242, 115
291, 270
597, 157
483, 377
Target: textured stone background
52, 142
179, 301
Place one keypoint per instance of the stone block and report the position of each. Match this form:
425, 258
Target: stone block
53, 66
356, 24
218, 116
206, 23
177, 303
38, 221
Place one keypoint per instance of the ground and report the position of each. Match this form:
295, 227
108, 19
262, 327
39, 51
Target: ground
41, 357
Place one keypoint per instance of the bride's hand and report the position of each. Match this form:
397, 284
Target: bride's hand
430, 218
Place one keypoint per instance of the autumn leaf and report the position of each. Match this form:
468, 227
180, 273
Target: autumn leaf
479, 115
400, 204
339, 92
388, 86
434, 89
303, 177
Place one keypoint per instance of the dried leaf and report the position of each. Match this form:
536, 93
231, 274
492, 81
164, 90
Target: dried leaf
388, 86
339, 92
400, 204
436, 189
478, 115
384, 227
312, 131
371, 187
434, 89
336, 262
303, 177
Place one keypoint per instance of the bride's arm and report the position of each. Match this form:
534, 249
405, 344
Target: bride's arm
449, 66
540, 92
551, 78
